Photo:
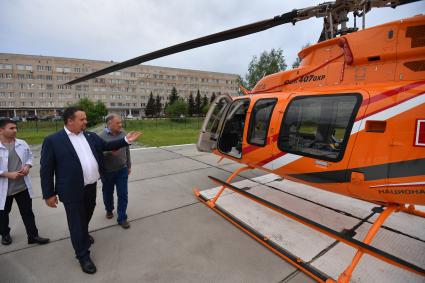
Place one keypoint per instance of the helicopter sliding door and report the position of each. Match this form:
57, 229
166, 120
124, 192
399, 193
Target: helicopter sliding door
213, 122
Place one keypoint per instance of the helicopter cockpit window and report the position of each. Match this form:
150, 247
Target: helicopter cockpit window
318, 126
230, 141
260, 121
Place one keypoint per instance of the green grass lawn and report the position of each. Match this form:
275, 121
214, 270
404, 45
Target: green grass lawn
160, 132
161, 137
156, 132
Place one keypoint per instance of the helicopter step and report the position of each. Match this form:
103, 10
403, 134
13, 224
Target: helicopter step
401, 239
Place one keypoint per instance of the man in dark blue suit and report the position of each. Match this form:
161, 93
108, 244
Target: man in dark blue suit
71, 163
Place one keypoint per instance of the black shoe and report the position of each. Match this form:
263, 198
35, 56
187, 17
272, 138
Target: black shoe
38, 240
91, 239
6, 240
87, 265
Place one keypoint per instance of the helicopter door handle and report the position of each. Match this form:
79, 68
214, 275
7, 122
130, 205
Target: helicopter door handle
357, 177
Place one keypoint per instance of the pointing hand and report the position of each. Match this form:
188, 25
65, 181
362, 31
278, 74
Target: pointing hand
132, 136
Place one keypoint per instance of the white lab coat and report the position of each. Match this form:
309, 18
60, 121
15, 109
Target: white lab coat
25, 154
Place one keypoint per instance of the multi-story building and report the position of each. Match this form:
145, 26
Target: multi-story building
34, 85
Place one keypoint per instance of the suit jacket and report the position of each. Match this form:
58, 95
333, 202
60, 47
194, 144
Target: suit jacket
61, 172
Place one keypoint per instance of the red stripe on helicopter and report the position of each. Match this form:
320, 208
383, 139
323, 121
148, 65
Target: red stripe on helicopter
388, 106
392, 92
251, 148
265, 161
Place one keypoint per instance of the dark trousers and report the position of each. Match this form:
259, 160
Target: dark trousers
25, 208
119, 179
79, 215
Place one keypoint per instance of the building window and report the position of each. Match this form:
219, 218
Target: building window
6, 66
22, 67
44, 68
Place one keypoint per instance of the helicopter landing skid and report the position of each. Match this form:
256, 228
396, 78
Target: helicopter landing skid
361, 247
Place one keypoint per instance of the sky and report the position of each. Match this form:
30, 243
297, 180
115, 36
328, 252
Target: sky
120, 30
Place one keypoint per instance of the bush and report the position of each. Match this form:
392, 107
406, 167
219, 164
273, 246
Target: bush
177, 110
94, 111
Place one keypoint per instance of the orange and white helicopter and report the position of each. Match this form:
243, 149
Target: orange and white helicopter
349, 120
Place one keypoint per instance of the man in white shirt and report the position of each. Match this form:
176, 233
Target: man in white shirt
71, 163
15, 164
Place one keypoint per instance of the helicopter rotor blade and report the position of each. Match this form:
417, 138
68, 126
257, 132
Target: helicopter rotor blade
321, 10
195, 43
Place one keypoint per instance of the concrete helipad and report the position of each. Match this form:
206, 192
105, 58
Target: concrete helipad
175, 238
403, 235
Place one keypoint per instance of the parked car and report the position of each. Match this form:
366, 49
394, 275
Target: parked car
57, 118
16, 118
32, 118
46, 118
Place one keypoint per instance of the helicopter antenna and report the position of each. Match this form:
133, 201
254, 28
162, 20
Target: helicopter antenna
333, 14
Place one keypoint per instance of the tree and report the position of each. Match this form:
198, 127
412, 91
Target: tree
150, 107
205, 109
212, 97
241, 82
158, 106
94, 112
198, 103
177, 109
204, 101
174, 96
268, 63
297, 62
190, 105
100, 110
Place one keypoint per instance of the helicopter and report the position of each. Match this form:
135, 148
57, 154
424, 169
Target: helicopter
349, 120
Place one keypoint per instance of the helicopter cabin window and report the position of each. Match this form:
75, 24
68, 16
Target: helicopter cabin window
260, 121
318, 126
230, 141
